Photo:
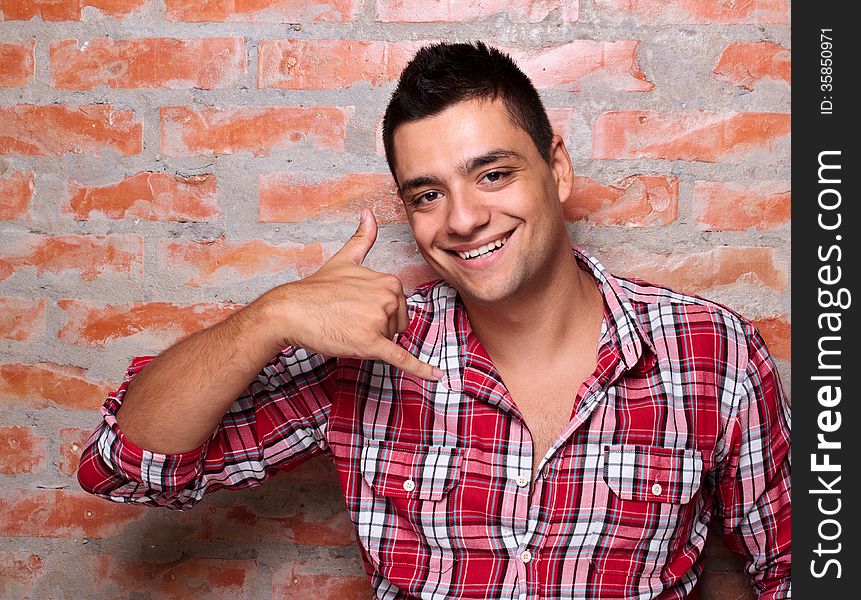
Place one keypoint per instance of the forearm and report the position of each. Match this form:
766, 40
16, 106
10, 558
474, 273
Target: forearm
175, 403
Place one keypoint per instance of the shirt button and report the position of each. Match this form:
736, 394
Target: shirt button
522, 481
526, 556
657, 489
409, 485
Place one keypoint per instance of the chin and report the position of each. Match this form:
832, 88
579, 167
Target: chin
486, 294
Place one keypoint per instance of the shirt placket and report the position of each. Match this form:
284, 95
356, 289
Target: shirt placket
609, 368
527, 526
526, 511
531, 541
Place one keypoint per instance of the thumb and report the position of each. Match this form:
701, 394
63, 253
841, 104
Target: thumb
358, 246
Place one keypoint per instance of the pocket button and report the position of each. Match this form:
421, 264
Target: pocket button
409, 485
657, 489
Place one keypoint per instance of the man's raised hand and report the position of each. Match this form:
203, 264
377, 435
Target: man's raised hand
348, 310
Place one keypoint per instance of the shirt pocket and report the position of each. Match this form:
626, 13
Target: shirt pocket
651, 509
405, 519
403, 471
652, 473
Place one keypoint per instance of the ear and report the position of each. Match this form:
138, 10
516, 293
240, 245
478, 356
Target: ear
560, 165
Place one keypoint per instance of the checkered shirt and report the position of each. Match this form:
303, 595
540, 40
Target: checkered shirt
682, 423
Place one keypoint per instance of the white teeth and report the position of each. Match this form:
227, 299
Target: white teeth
481, 250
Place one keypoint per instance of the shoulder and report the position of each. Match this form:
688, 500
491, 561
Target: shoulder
651, 301
691, 323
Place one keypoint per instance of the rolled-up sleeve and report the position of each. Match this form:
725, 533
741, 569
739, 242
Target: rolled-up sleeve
754, 492
278, 421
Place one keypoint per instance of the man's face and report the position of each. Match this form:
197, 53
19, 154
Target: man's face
483, 204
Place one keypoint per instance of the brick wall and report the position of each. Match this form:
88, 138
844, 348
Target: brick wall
163, 163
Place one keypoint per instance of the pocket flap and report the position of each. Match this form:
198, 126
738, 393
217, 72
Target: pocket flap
653, 473
401, 470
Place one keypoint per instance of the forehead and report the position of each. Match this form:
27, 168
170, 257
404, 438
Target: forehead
464, 130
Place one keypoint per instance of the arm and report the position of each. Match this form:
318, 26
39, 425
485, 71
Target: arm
277, 422
754, 493
176, 402
343, 310
165, 436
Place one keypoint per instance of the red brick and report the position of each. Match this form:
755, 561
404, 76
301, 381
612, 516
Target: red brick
61, 513
16, 192
695, 272
262, 11
49, 10
736, 207
582, 62
16, 63
334, 64
200, 63
64, 10
777, 333
22, 319
183, 579
320, 469
261, 131
725, 586
72, 442
22, 450
240, 524
48, 384
286, 197
54, 130
745, 63
90, 325
699, 136
561, 120
696, 11
292, 582
525, 11
148, 196
220, 262
330, 64
19, 572
88, 255
635, 201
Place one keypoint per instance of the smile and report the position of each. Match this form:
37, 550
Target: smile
485, 250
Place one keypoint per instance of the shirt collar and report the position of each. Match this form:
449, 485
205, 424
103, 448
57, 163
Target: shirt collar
623, 323
624, 329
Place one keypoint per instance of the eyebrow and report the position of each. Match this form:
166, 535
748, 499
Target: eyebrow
465, 167
476, 162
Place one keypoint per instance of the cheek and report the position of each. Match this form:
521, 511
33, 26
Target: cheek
424, 230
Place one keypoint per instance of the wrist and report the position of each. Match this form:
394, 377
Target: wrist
274, 314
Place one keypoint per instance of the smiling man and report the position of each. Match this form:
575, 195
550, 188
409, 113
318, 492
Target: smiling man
529, 426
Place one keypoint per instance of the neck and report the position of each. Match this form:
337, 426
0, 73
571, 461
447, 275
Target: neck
559, 311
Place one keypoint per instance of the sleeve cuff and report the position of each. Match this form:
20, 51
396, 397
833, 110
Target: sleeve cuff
162, 472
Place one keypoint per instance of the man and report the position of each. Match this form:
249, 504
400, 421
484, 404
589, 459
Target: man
528, 427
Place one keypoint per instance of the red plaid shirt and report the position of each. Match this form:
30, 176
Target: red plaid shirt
682, 422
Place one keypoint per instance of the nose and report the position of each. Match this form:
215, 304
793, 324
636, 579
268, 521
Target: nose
466, 213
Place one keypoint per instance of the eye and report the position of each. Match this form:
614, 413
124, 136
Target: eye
495, 176
425, 198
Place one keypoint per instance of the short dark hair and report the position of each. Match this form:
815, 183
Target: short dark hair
443, 74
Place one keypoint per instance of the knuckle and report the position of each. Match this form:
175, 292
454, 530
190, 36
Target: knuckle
402, 356
393, 283
391, 305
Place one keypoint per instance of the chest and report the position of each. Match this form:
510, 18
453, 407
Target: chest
545, 408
